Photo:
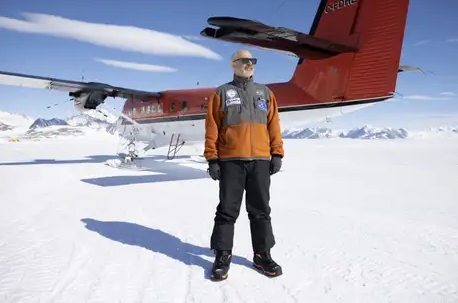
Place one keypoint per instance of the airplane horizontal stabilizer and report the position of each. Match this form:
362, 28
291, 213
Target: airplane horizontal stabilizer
409, 68
255, 33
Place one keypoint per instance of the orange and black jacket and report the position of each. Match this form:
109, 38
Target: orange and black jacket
242, 122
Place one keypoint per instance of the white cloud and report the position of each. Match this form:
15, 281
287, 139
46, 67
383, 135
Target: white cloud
422, 42
136, 66
448, 94
437, 115
128, 38
452, 40
432, 119
425, 97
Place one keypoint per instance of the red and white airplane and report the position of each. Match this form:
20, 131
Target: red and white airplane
349, 59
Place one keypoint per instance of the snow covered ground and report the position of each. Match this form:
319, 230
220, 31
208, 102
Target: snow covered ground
355, 221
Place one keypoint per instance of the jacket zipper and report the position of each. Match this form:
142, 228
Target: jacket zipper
251, 120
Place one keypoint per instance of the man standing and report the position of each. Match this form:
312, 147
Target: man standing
244, 147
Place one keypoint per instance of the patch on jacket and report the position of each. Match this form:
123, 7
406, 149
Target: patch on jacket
232, 101
231, 93
262, 104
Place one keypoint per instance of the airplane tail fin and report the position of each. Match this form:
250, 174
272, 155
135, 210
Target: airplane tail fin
376, 28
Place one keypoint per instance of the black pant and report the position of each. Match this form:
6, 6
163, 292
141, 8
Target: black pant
254, 178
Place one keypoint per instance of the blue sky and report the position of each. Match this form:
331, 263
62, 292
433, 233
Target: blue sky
431, 42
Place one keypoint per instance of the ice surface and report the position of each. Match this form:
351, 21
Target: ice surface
354, 220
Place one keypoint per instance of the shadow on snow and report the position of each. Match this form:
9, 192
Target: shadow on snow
88, 159
158, 241
162, 170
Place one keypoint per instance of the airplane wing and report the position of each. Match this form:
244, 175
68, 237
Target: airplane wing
255, 33
87, 95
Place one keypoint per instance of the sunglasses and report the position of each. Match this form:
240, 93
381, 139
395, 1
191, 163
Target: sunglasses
246, 60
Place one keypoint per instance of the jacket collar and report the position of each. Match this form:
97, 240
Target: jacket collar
242, 81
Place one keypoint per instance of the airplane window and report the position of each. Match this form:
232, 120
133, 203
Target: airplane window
172, 106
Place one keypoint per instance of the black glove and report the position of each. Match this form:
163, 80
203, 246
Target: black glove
275, 164
213, 169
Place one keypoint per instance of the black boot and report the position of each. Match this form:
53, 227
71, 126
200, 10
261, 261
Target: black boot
221, 265
264, 262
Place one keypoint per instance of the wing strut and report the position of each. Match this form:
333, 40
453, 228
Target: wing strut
174, 146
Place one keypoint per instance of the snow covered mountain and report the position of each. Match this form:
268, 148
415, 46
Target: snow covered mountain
366, 132
75, 125
91, 119
21, 126
13, 124
308, 133
14, 120
4, 127
443, 129
40, 122
99, 122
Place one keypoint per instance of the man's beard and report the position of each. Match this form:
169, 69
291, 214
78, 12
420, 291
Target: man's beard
246, 72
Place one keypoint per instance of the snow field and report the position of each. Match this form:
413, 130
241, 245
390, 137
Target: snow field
355, 221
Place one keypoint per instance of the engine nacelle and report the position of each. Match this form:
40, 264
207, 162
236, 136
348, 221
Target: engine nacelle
84, 101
